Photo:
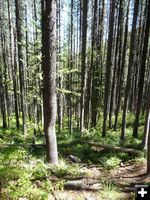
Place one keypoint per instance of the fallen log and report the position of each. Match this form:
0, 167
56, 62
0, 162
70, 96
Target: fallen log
22, 145
114, 148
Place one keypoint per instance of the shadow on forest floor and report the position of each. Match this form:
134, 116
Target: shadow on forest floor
117, 172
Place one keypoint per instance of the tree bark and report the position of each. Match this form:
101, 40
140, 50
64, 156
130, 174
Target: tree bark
120, 78
13, 63
83, 67
19, 24
49, 77
147, 124
142, 73
108, 66
130, 69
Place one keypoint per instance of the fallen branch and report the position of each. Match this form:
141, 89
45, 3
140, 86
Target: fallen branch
105, 146
22, 145
114, 148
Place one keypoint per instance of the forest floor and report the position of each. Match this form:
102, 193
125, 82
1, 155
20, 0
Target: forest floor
124, 178
101, 174
92, 181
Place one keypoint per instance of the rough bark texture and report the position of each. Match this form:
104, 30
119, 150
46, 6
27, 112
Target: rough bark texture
49, 77
83, 71
142, 73
146, 140
120, 78
93, 93
147, 124
130, 68
13, 63
19, 27
108, 65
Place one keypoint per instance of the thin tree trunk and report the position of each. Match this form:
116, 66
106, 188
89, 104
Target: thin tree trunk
130, 69
121, 81
147, 124
13, 64
83, 67
108, 66
19, 23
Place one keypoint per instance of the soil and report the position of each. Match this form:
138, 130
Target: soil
125, 178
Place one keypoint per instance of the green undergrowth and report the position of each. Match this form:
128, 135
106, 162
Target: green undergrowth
13, 135
26, 176
24, 172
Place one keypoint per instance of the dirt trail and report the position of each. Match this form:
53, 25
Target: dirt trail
125, 177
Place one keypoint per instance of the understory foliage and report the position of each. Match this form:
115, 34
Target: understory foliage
71, 72
24, 173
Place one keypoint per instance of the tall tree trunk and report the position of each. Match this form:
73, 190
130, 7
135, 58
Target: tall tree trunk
148, 151
116, 66
108, 65
120, 79
5, 78
100, 52
147, 124
146, 138
130, 69
93, 96
71, 66
142, 73
83, 67
2, 88
49, 77
60, 78
13, 64
19, 27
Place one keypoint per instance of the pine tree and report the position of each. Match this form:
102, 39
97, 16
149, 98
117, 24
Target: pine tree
49, 77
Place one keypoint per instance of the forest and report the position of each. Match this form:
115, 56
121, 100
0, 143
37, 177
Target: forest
74, 99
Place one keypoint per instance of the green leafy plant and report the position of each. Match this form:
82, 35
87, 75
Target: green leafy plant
64, 169
111, 163
40, 171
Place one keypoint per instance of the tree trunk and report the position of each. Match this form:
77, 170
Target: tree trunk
60, 78
93, 92
19, 24
13, 63
142, 73
49, 77
147, 124
83, 67
108, 66
146, 139
130, 67
120, 78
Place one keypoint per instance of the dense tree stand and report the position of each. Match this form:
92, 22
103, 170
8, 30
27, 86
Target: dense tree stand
74, 98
